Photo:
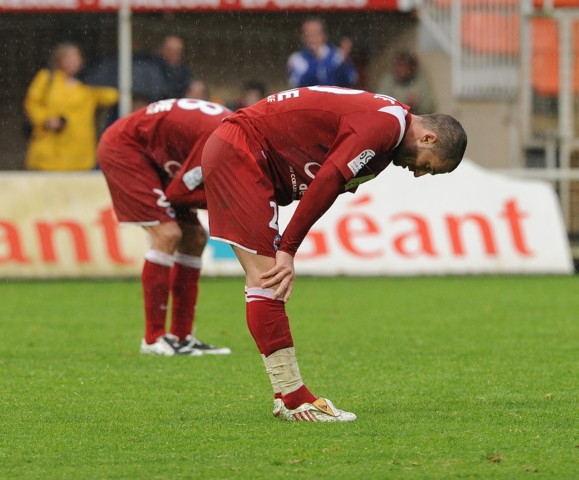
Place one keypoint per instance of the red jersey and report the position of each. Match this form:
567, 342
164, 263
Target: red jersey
294, 132
169, 131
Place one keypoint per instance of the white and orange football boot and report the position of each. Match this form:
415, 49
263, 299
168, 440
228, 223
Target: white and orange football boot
321, 410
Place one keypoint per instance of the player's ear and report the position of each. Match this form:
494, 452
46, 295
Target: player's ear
428, 139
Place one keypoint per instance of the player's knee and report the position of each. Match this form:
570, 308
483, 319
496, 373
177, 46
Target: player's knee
200, 238
172, 235
193, 240
166, 236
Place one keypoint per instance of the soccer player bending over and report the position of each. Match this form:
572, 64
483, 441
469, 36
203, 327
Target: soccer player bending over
141, 155
309, 144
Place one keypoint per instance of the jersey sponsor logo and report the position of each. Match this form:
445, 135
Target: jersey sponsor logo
356, 164
311, 168
294, 181
172, 167
193, 178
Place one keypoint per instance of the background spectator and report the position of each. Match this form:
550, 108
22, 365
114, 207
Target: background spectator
320, 63
407, 83
148, 78
178, 76
62, 111
197, 89
252, 92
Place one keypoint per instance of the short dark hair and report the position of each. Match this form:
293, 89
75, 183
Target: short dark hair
452, 138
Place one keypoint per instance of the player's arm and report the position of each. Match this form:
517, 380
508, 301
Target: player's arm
185, 187
178, 194
319, 196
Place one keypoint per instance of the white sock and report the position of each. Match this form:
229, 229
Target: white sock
160, 258
188, 260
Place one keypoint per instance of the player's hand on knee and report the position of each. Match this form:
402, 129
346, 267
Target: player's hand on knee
281, 277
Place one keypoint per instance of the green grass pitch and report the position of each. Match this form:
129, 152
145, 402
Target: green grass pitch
451, 378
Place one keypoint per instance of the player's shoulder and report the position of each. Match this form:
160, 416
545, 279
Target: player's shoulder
331, 95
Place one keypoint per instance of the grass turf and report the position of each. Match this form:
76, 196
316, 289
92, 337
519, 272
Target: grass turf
451, 378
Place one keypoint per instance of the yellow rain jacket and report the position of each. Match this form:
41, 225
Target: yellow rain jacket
54, 95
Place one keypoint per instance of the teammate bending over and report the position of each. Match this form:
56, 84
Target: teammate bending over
140, 155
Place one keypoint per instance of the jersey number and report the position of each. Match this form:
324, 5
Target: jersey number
336, 90
273, 222
208, 108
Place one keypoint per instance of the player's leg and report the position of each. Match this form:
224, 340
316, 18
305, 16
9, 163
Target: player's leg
155, 280
184, 278
269, 325
138, 199
243, 212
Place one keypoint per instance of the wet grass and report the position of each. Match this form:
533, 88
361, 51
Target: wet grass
451, 377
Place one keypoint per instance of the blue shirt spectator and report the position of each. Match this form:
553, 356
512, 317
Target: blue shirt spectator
320, 63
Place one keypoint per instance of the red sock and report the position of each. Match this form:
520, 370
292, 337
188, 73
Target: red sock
269, 325
300, 396
155, 281
184, 290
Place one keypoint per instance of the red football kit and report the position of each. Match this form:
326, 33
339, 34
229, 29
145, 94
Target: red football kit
143, 153
309, 144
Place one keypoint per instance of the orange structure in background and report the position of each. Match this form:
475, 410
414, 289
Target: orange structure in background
545, 56
489, 32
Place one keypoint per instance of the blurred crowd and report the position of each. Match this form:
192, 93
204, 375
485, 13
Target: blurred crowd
71, 102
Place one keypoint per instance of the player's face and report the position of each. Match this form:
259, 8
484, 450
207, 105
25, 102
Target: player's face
420, 162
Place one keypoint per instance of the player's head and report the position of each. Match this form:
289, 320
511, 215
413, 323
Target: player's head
451, 137
436, 144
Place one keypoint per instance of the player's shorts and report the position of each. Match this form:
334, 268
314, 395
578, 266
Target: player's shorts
240, 199
137, 190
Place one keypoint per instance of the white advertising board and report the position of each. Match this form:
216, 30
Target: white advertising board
61, 225
468, 222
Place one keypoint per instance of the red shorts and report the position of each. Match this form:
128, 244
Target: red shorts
241, 205
137, 190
